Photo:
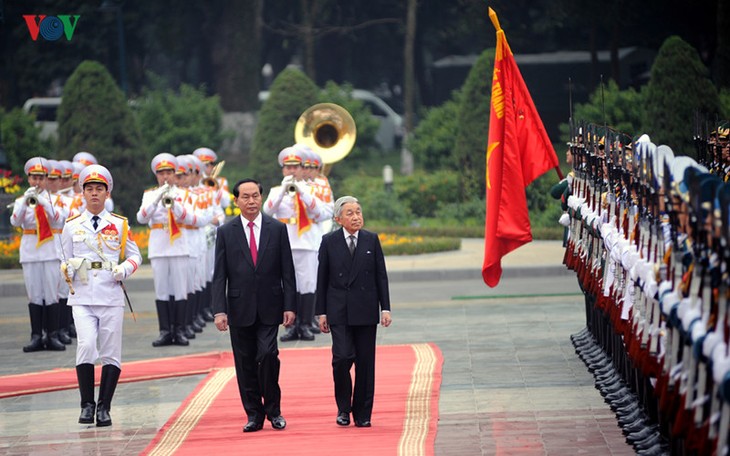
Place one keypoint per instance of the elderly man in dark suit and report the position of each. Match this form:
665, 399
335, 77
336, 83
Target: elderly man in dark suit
352, 297
254, 291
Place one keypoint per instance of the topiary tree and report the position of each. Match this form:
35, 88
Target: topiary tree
291, 93
94, 116
678, 89
471, 140
179, 122
19, 138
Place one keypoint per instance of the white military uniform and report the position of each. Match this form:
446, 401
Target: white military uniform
168, 252
98, 302
39, 257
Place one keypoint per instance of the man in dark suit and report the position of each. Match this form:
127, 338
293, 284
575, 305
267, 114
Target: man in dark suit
254, 291
352, 297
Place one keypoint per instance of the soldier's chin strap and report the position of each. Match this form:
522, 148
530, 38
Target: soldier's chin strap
99, 252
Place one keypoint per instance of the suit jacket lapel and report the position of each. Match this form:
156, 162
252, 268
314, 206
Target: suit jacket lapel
264, 237
240, 235
356, 259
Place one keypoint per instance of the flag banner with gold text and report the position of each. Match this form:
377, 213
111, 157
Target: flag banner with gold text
518, 152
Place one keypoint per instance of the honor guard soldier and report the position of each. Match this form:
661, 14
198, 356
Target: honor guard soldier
78, 205
34, 212
62, 203
294, 203
99, 254
86, 159
200, 202
162, 209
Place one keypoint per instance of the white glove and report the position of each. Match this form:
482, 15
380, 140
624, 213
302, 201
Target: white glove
564, 219
32, 191
119, 273
67, 270
287, 180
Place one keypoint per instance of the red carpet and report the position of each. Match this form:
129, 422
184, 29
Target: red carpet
135, 371
408, 378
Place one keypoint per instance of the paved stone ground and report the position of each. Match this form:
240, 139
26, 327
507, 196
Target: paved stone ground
512, 383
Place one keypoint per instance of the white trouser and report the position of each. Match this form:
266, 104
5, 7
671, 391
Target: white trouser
170, 277
102, 324
42, 281
305, 267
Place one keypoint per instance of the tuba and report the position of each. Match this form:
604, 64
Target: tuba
328, 129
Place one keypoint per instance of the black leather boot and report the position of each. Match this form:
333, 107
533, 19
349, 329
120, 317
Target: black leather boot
63, 316
163, 320
36, 329
304, 318
54, 315
207, 310
85, 376
179, 337
109, 379
292, 332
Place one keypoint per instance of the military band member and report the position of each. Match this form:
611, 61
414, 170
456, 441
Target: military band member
100, 253
35, 214
86, 159
163, 210
62, 203
294, 203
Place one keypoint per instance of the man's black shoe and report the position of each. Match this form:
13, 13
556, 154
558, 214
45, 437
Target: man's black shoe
253, 426
278, 422
365, 423
343, 419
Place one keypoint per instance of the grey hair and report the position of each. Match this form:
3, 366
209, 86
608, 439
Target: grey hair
341, 201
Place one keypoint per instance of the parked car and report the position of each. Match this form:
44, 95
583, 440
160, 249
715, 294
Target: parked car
45, 111
390, 130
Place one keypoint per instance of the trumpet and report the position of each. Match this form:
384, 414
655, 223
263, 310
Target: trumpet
291, 189
211, 181
166, 196
32, 199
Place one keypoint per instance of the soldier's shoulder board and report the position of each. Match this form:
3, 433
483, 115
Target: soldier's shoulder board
73, 218
119, 216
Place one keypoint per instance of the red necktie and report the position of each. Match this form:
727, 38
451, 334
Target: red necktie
252, 243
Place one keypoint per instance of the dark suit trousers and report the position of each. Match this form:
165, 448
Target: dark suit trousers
354, 344
256, 357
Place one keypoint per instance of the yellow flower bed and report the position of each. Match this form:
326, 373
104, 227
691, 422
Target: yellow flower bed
10, 247
388, 240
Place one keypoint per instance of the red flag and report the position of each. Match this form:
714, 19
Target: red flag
173, 228
518, 152
303, 222
43, 227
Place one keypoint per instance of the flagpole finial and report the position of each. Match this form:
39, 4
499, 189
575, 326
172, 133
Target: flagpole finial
495, 21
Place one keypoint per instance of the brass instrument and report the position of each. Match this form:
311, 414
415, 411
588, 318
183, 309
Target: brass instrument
166, 197
328, 129
32, 199
211, 181
291, 189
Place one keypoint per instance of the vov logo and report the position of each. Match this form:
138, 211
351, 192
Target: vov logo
51, 28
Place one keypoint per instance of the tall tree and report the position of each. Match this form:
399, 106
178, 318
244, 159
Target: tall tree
94, 116
235, 49
409, 83
679, 88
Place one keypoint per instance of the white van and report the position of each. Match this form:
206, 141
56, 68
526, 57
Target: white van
45, 110
390, 130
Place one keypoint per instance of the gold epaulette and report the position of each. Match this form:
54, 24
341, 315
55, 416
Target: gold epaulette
119, 216
73, 218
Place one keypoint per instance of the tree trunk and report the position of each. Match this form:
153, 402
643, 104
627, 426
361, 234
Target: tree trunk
309, 11
236, 57
409, 84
